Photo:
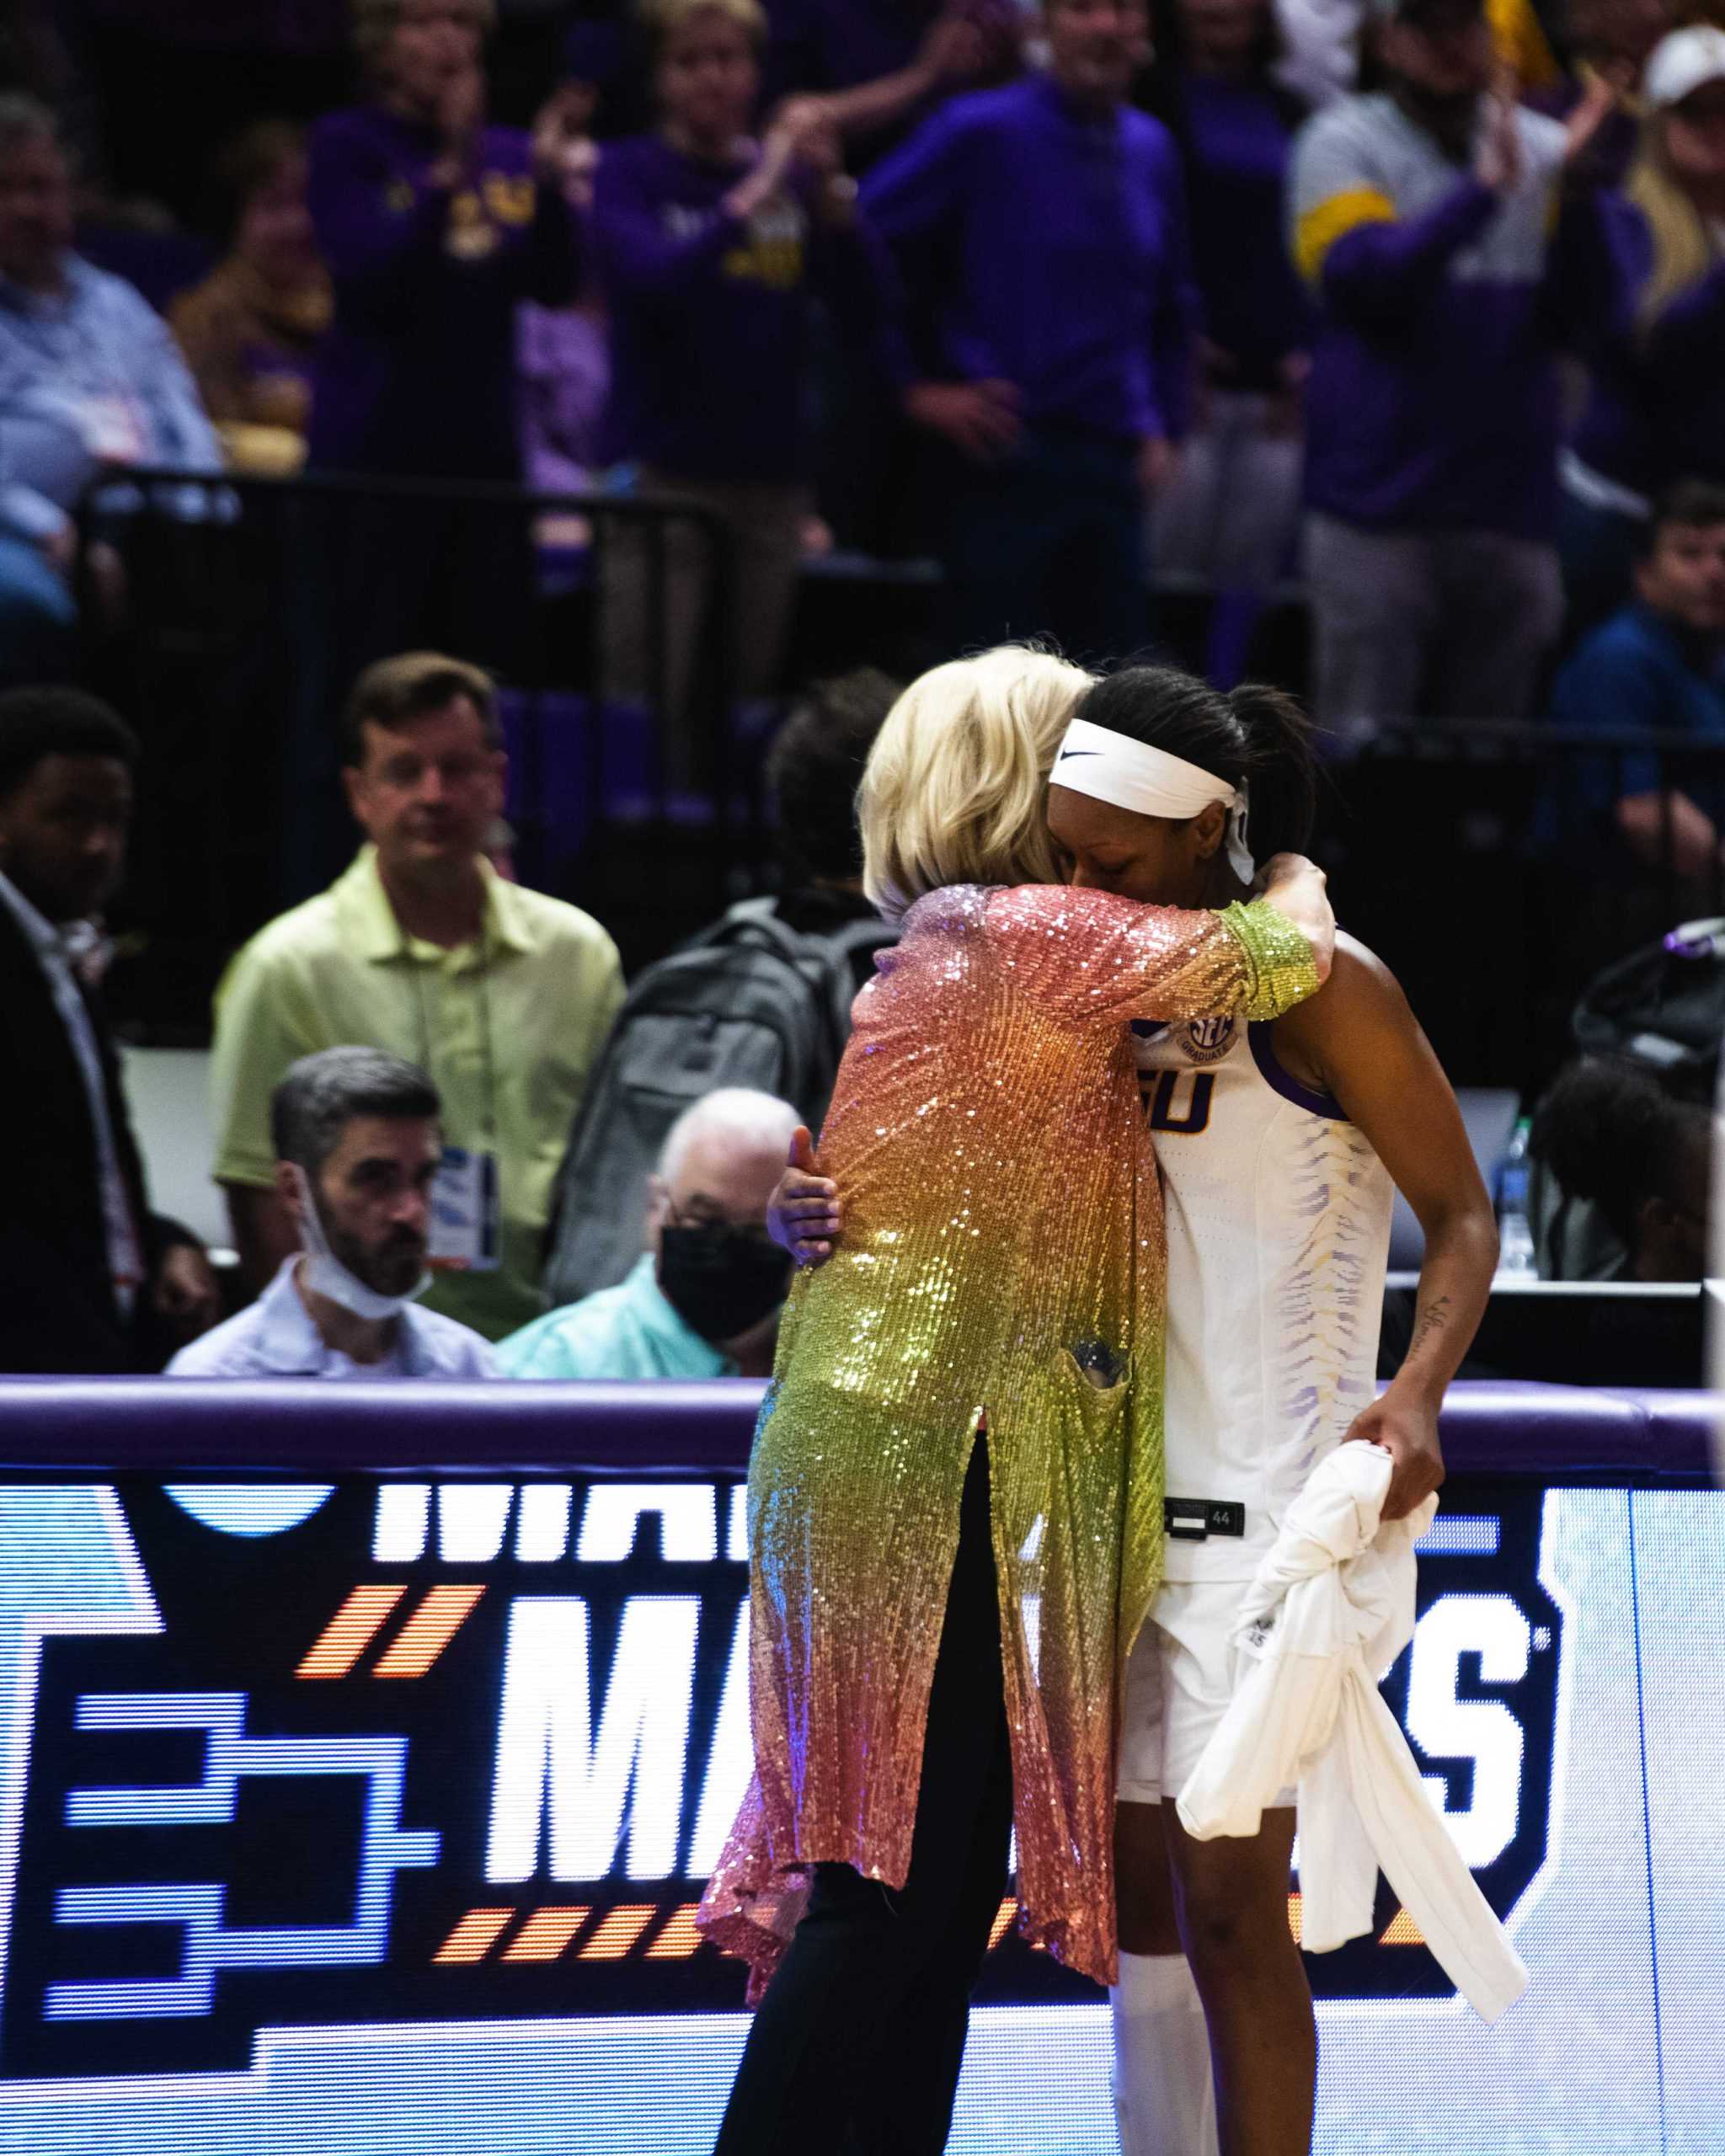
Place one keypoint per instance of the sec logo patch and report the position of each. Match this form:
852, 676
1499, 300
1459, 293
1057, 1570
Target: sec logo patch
1205, 1040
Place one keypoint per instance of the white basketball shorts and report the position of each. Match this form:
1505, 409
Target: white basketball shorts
1179, 1679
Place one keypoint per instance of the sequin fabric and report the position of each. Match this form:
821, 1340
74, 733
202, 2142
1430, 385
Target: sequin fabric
1003, 1257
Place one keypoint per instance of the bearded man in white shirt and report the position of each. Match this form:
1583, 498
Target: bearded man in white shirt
358, 1148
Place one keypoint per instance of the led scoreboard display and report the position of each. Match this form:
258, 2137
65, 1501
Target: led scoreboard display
373, 1814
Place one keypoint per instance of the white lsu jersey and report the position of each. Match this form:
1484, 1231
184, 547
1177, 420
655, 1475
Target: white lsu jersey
1279, 1241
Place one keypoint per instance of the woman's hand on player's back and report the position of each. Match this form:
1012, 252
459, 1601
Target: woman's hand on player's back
802, 1213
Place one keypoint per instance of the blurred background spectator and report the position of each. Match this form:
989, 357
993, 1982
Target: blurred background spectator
760, 1000
90, 383
1656, 413
703, 1301
250, 331
1452, 257
1609, 43
94, 1280
358, 1148
435, 225
1629, 1177
1041, 233
1658, 666
562, 366
563, 356
1323, 41
500, 994
1230, 512
813, 771
712, 249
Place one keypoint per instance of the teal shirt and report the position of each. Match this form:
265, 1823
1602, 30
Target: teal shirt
626, 1331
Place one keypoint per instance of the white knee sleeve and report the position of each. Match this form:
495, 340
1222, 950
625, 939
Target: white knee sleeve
1164, 2098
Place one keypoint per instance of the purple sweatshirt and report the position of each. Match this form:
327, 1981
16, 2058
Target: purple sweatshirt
417, 375
1047, 248
1432, 403
710, 315
1235, 139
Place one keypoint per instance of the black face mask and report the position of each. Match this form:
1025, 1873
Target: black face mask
721, 1280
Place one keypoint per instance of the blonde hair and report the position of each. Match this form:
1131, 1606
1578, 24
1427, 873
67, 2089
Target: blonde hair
956, 785
374, 23
1683, 248
663, 18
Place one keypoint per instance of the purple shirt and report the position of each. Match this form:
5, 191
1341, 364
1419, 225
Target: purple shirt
417, 375
564, 364
710, 316
1236, 138
1434, 402
1047, 248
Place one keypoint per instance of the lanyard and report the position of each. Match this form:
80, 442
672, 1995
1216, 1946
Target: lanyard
488, 1122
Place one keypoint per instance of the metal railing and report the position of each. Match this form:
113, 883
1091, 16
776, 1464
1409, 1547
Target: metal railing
1484, 861
228, 616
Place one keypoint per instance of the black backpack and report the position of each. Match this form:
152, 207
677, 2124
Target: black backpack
1663, 1009
747, 1002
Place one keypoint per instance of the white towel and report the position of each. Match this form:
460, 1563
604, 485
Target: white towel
1330, 1610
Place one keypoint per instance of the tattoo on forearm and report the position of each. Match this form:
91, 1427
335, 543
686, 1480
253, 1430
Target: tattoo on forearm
1432, 1319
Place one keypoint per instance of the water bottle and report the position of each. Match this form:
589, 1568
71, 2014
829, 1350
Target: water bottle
1516, 1252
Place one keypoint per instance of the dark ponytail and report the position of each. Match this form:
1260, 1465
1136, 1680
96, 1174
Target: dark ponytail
1252, 736
1284, 774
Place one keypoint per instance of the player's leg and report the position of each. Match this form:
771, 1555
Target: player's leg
1163, 2098
1231, 1895
1231, 1901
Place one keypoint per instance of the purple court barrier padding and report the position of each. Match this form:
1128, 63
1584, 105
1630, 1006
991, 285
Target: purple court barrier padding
293, 1426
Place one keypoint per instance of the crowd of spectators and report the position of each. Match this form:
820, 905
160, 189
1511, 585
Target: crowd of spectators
1415, 300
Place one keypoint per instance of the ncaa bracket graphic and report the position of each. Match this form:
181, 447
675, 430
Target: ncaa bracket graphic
395, 1771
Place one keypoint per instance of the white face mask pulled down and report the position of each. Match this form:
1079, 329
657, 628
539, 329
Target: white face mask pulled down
324, 1273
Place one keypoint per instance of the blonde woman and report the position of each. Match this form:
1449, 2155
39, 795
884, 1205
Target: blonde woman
955, 1495
1657, 414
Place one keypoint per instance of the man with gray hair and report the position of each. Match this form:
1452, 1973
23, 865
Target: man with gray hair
704, 1299
357, 1149
90, 379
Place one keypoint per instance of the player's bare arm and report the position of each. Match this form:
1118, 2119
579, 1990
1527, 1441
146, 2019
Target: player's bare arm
1358, 1039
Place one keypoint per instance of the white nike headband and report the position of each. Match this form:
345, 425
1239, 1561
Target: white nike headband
1129, 774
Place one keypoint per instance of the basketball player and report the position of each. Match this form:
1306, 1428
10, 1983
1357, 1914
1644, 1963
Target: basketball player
1280, 1147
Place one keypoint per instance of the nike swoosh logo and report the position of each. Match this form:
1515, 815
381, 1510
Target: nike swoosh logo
1066, 753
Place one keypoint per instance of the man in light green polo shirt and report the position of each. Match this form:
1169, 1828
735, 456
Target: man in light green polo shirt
504, 996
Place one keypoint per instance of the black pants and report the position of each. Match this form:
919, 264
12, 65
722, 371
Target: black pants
857, 2046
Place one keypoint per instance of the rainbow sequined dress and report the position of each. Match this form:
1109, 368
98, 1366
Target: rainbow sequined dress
1003, 1254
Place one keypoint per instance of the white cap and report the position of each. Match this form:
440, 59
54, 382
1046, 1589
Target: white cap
1681, 62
